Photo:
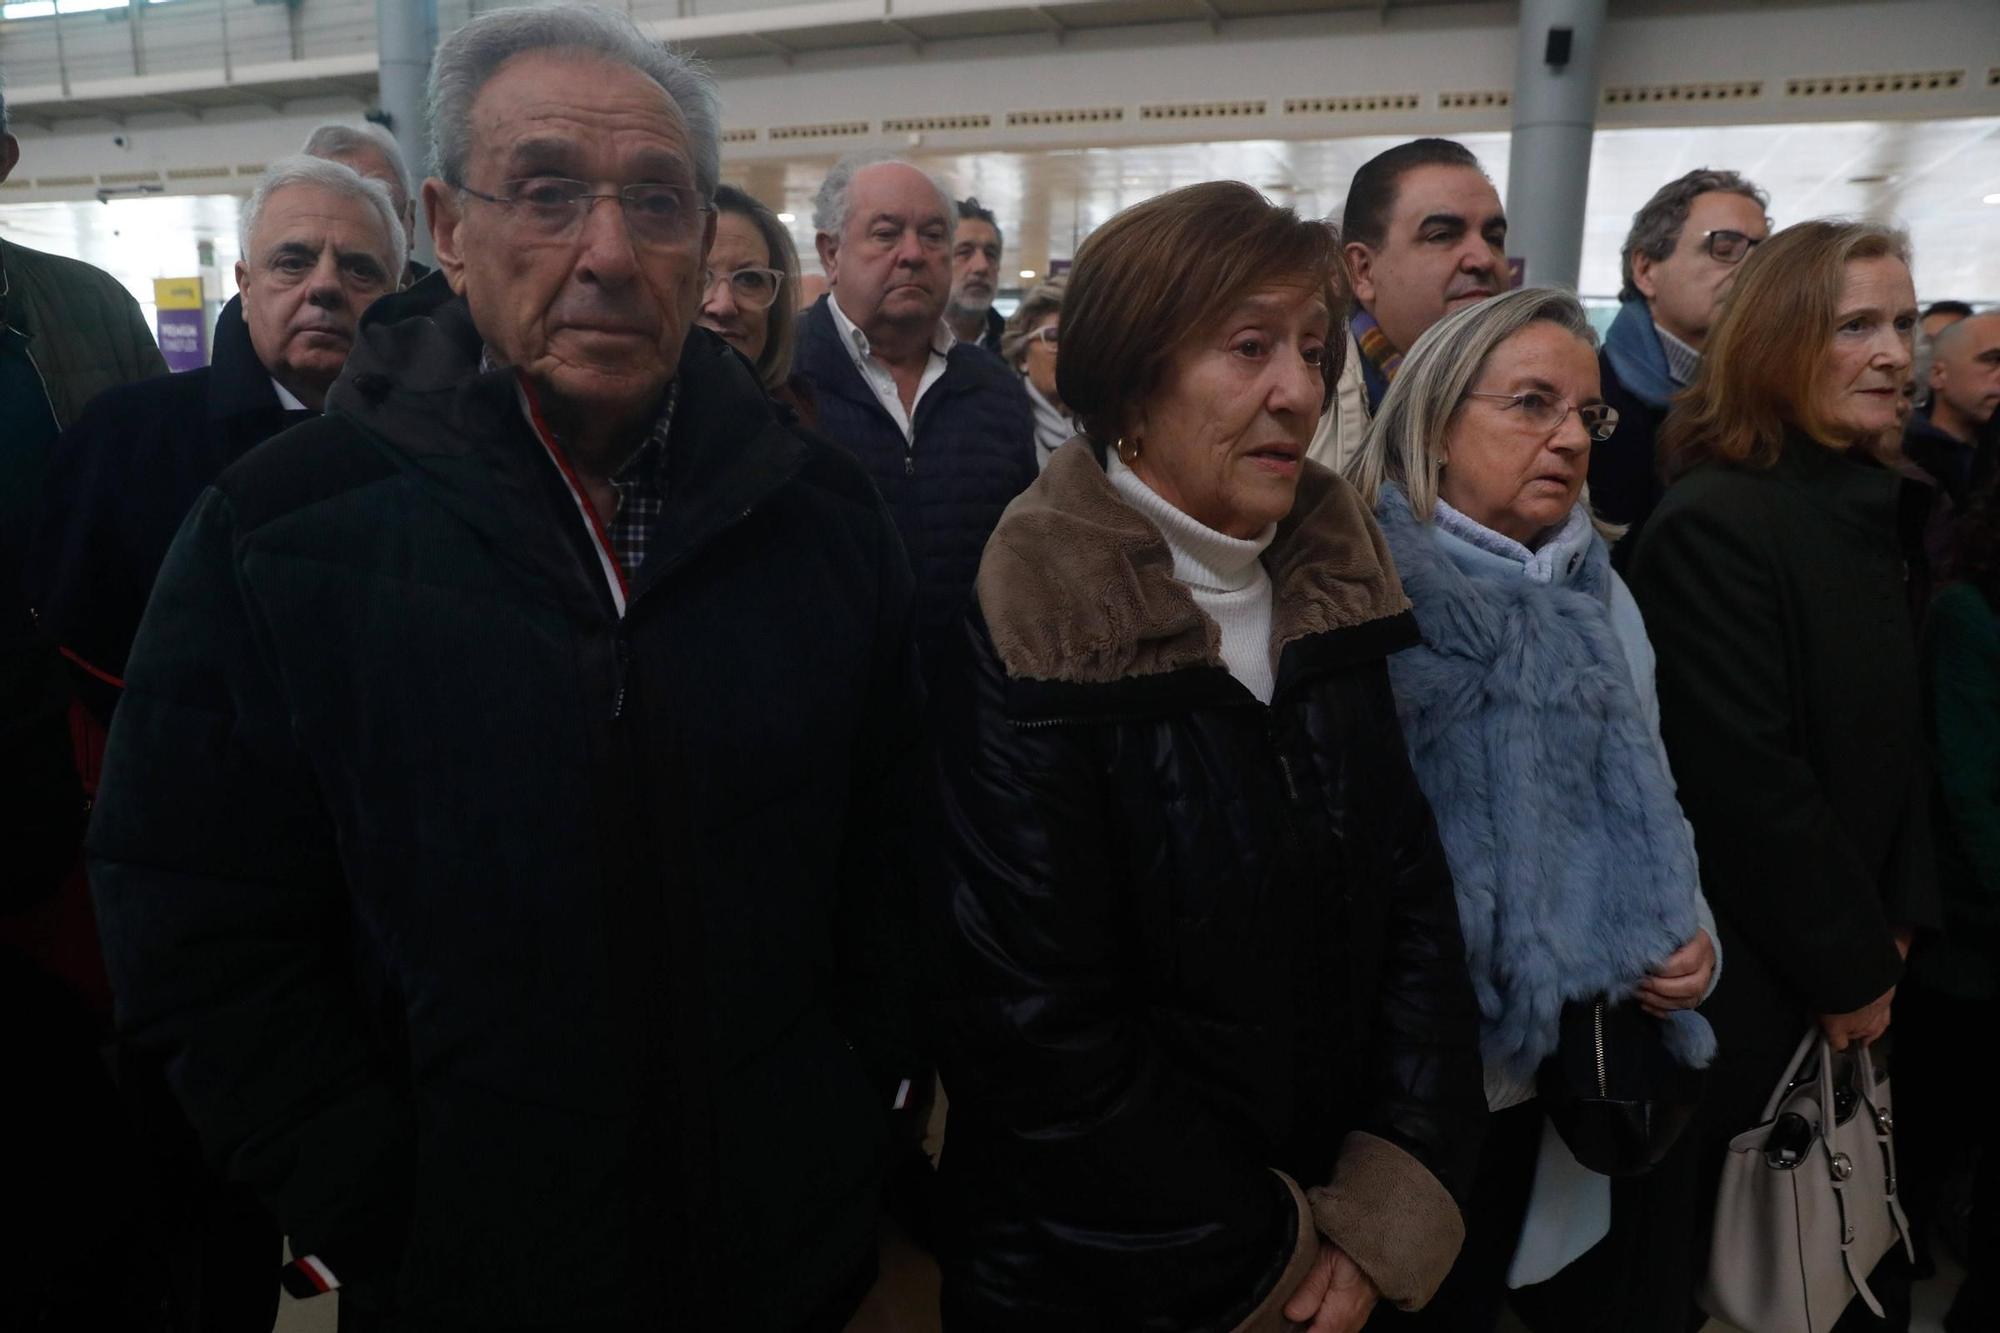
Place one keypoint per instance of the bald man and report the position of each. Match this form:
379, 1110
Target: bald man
1965, 394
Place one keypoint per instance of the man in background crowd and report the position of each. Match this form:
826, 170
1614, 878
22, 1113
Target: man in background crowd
1941, 315
1424, 235
1964, 387
373, 152
942, 425
1684, 250
319, 244
975, 277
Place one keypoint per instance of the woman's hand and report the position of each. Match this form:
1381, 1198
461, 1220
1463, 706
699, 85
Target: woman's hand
1864, 1026
1682, 980
1336, 1296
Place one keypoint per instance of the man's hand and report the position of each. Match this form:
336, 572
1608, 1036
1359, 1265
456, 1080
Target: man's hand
1336, 1296
1680, 981
1864, 1026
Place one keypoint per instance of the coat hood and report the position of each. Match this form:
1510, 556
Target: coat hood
1076, 586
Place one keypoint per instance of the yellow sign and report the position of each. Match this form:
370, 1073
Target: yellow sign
177, 293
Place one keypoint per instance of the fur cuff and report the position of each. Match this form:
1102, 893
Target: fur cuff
1269, 1316
1392, 1217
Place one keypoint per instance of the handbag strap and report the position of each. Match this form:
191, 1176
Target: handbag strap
1786, 1080
1885, 1138
1839, 1170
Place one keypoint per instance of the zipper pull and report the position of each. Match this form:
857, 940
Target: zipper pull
624, 669
909, 463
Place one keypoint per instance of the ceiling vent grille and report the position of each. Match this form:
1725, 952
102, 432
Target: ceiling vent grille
1683, 93
1204, 110
128, 177
1086, 115
21, 184
1875, 85
739, 136
1350, 106
1478, 100
936, 124
250, 169
832, 129
195, 173
63, 182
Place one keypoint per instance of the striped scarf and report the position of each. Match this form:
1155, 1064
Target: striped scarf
1375, 345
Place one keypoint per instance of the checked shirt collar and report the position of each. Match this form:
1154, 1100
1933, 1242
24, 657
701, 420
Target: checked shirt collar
640, 483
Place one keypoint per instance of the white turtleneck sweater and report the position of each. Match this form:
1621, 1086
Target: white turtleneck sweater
1225, 574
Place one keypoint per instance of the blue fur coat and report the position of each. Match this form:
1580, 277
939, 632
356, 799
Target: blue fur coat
1574, 868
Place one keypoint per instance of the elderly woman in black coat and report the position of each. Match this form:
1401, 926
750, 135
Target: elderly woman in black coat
1212, 1050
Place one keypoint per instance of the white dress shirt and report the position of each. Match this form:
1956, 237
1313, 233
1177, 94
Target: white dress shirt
287, 399
877, 375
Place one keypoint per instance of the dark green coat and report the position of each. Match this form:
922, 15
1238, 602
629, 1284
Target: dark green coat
1962, 663
1791, 705
84, 330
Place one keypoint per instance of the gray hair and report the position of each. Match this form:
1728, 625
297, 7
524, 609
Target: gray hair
1656, 227
835, 200
468, 58
1406, 441
336, 177
335, 140
1045, 300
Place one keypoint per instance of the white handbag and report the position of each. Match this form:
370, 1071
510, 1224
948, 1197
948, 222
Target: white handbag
1808, 1201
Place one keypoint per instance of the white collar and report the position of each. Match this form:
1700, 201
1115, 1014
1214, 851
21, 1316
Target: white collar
942, 339
287, 399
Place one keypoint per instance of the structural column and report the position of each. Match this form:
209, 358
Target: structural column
1555, 115
405, 37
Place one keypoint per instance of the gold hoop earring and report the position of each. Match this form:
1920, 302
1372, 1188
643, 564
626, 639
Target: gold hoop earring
1127, 455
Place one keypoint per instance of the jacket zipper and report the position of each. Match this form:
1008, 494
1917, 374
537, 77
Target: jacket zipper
1597, 1024
624, 672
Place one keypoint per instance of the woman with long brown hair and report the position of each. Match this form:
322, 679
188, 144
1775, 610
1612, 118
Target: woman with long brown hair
1771, 579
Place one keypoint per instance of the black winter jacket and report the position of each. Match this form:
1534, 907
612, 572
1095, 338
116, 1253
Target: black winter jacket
974, 452
1191, 940
121, 482
537, 966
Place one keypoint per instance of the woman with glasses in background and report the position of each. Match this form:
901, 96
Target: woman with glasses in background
1029, 345
750, 295
1530, 717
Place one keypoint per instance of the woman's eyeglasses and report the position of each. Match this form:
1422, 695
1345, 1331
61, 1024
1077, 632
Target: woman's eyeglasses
751, 288
1045, 334
1729, 247
552, 208
1546, 412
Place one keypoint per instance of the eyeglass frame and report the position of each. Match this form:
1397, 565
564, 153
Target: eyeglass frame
587, 200
1048, 333
709, 277
1607, 415
1749, 243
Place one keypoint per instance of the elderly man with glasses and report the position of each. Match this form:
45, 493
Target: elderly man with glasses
1683, 252
502, 828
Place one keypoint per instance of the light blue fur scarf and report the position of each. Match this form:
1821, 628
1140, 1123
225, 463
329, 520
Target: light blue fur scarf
1574, 868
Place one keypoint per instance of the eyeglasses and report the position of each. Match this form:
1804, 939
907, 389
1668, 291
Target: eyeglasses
551, 208
1045, 334
751, 288
1546, 412
1729, 247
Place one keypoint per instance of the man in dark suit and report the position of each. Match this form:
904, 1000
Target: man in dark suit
320, 243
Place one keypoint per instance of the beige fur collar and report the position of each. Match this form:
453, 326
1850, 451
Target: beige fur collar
1076, 586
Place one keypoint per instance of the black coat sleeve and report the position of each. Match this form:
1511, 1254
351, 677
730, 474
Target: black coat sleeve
225, 922
1109, 1151
1774, 861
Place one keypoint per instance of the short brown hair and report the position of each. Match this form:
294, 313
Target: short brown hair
1768, 346
1160, 272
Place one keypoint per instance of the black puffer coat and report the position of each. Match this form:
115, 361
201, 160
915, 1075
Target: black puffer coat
537, 965
1192, 940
